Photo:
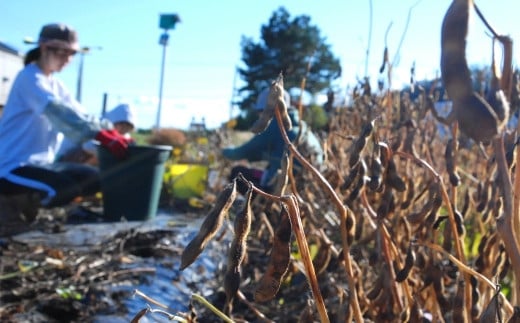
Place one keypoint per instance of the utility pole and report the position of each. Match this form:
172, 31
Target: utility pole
233, 94
82, 52
166, 22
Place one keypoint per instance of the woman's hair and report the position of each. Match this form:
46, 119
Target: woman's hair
32, 56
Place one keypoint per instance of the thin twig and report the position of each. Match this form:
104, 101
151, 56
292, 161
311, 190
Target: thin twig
403, 35
212, 308
303, 247
467, 270
302, 88
171, 317
481, 16
251, 306
453, 225
149, 299
458, 246
369, 41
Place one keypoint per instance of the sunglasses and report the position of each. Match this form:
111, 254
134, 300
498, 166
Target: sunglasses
62, 51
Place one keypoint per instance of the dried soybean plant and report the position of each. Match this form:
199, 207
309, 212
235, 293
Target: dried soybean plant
469, 107
489, 113
420, 226
289, 217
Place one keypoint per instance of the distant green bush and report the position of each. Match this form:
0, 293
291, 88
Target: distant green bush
316, 117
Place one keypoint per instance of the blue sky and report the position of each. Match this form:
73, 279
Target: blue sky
204, 48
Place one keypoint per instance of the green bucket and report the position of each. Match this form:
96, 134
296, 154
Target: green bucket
131, 187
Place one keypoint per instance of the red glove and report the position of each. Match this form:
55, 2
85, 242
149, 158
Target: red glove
116, 143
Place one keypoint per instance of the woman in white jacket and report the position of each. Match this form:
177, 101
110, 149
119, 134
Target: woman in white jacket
38, 112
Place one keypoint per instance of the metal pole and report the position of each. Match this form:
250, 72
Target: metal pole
164, 42
233, 93
80, 76
104, 105
82, 52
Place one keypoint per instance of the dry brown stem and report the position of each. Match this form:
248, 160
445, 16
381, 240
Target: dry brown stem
464, 268
343, 217
453, 226
294, 216
505, 222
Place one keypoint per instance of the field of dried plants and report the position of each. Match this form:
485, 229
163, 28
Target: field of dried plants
404, 223
400, 225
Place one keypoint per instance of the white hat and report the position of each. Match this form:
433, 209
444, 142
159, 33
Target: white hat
261, 101
121, 113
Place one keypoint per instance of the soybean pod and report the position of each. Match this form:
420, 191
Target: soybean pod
210, 226
469, 107
279, 260
238, 250
450, 162
392, 177
409, 261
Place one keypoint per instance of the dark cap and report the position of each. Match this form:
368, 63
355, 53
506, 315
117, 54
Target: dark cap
60, 35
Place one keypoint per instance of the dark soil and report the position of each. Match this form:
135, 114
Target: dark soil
44, 282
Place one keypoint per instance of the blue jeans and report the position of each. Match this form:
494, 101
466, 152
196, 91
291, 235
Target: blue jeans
58, 184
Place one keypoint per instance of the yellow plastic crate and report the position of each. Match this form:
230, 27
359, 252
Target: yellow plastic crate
186, 180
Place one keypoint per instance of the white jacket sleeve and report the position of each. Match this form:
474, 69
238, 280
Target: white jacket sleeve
76, 126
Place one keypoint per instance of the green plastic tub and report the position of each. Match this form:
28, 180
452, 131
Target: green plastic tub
131, 188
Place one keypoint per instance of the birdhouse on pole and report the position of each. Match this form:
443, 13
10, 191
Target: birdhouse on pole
168, 21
